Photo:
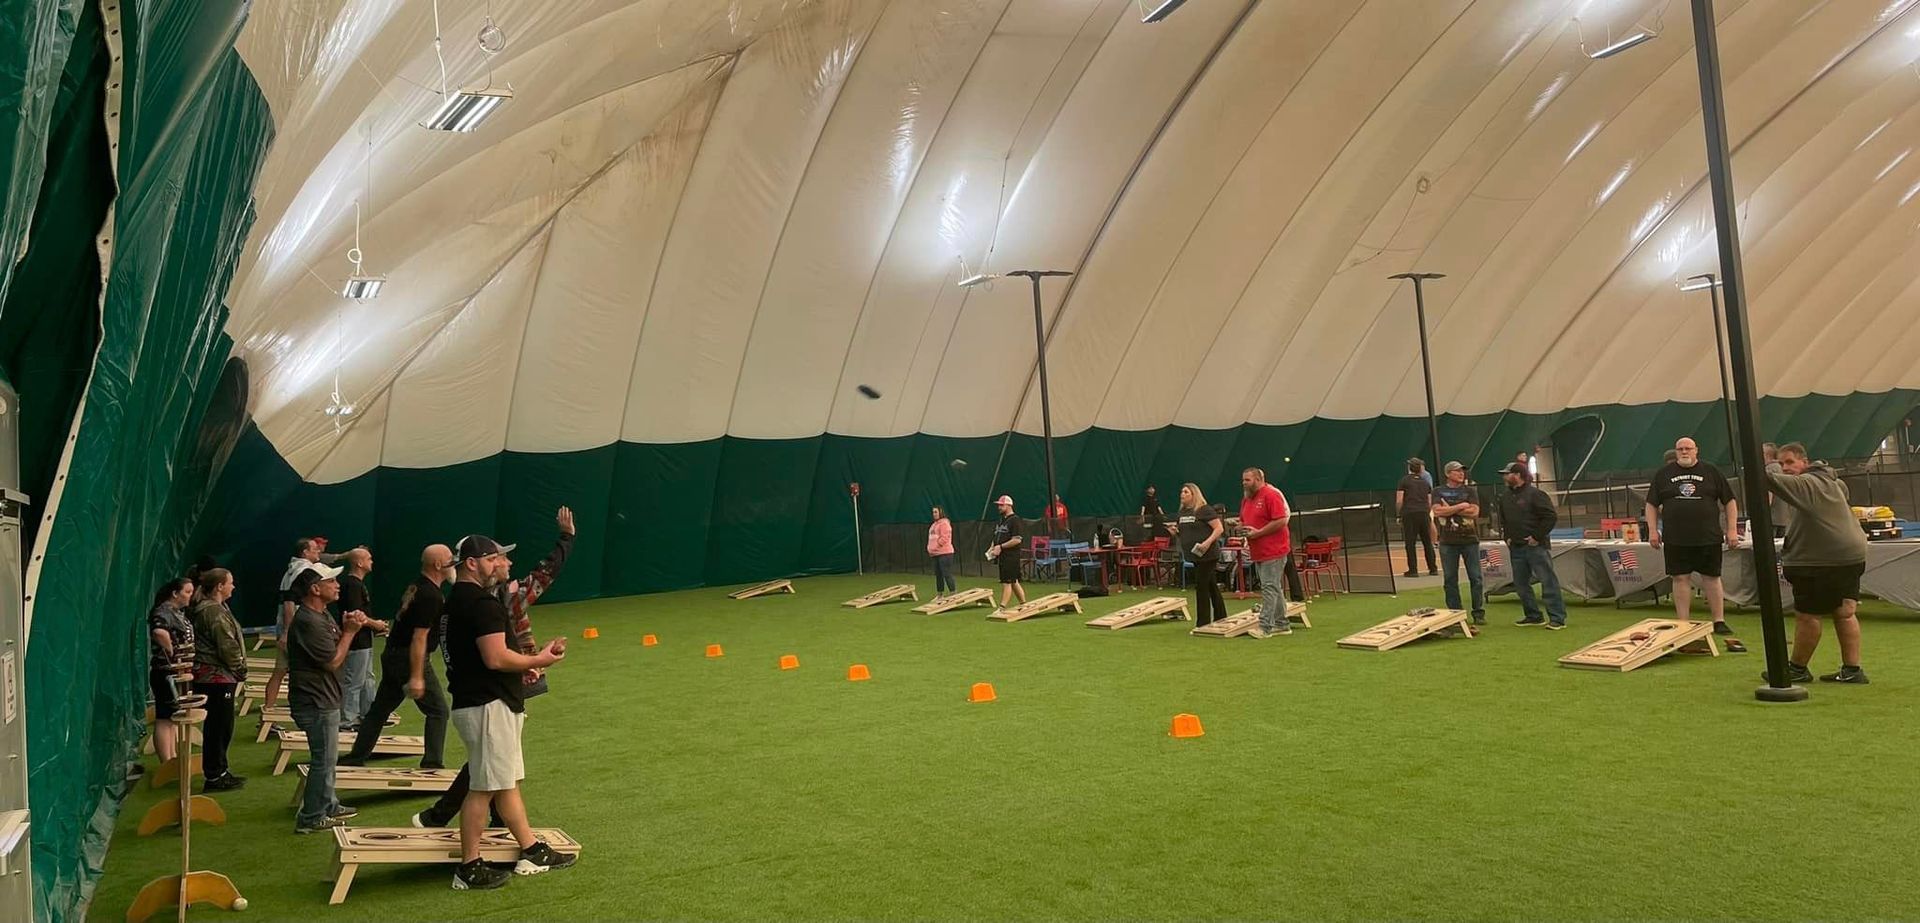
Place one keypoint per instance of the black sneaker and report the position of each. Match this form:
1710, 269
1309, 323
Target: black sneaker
1853, 675
1722, 628
343, 811
326, 823
1479, 620
540, 858
1433, 573
1411, 573
1556, 626
353, 761
1795, 674
1530, 622
479, 876
225, 783
426, 819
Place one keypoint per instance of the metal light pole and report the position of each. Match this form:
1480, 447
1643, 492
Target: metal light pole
1040, 350
1711, 283
1426, 363
1746, 402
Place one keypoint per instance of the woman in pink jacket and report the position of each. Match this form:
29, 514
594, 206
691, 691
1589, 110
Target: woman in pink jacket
940, 548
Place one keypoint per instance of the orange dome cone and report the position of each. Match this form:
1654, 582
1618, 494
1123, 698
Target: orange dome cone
789, 662
649, 641
858, 672
713, 650
590, 633
981, 692
1185, 725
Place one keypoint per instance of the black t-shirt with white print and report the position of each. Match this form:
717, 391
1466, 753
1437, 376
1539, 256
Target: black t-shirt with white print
1690, 501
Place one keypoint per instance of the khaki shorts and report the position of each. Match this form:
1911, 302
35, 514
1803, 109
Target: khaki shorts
491, 733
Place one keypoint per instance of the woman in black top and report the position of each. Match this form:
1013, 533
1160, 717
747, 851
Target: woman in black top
1198, 532
168, 636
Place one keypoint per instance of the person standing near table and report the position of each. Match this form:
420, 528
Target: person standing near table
219, 667
1527, 518
1008, 533
940, 549
1414, 500
1057, 516
1151, 514
1823, 560
1702, 517
1264, 512
1456, 512
1198, 532
169, 636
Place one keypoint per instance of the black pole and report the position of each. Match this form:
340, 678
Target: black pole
1746, 403
1720, 372
1046, 405
1426, 363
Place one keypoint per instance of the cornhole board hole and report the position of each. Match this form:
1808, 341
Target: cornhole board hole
974, 597
1233, 626
1416, 624
886, 595
1159, 607
1052, 602
358, 846
771, 586
292, 742
1640, 644
272, 719
369, 779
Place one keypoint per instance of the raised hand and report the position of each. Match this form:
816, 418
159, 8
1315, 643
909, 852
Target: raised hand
564, 519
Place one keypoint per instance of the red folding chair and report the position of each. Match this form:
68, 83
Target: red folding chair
1318, 558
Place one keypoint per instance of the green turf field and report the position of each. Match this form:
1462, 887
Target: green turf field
1461, 779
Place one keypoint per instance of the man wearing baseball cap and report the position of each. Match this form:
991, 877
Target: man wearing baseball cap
316, 647
1007, 536
1456, 514
1527, 518
484, 675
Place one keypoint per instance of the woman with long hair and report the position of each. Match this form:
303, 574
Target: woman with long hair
168, 635
940, 548
219, 667
1198, 528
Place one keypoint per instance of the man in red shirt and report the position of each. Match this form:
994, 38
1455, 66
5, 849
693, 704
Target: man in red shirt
1264, 512
1056, 516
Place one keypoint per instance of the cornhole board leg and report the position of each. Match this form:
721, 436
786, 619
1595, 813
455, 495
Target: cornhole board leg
342, 880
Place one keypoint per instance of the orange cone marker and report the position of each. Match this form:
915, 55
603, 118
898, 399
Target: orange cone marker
590, 633
713, 650
649, 641
789, 662
858, 672
1185, 726
981, 692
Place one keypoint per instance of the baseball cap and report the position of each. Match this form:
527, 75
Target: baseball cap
1004, 500
314, 573
1514, 468
1454, 466
479, 546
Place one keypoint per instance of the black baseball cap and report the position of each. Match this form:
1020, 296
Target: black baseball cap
1515, 468
479, 546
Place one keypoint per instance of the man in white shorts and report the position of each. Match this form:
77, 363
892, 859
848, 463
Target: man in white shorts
484, 676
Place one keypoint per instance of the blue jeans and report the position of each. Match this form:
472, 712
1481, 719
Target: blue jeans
356, 683
943, 574
322, 727
1273, 606
1530, 562
1451, 557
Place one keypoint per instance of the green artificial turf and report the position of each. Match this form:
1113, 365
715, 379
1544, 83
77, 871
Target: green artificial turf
1450, 779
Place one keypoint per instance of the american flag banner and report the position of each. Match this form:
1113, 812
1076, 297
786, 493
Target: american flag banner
1623, 561
1493, 559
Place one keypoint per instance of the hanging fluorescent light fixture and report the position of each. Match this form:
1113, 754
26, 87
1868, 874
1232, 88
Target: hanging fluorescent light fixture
464, 110
363, 288
1699, 282
1161, 10
1637, 37
978, 278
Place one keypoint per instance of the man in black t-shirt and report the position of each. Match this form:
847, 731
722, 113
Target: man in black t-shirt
1701, 517
406, 670
484, 674
1414, 498
1008, 533
356, 676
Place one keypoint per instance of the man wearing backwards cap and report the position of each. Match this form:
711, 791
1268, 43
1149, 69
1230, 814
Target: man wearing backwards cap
316, 647
484, 674
1007, 536
1527, 518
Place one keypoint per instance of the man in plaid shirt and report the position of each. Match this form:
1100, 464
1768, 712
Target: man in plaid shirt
519, 596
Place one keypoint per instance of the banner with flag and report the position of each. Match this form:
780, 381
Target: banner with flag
1624, 562
1493, 561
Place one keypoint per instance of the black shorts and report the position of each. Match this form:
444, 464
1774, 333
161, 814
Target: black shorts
165, 703
1693, 559
1009, 565
1819, 590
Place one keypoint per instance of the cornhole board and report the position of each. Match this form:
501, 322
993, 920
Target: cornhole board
771, 586
292, 742
358, 846
1233, 626
259, 665
1159, 607
280, 717
1052, 602
886, 595
974, 597
251, 693
369, 779
1416, 624
1620, 651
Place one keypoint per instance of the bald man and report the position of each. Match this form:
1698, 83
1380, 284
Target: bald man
356, 675
1692, 515
406, 672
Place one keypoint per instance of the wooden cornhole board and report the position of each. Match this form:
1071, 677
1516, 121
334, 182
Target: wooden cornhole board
281, 717
1619, 651
1159, 607
259, 665
360, 846
1052, 602
292, 742
771, 586
370, 779
974, 597
251, 693
886, 595
1233, 626
1416, 624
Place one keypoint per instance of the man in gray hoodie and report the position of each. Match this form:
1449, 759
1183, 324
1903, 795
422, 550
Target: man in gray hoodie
1824, 556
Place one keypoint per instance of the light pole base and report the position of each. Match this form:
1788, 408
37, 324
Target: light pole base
1777, 694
